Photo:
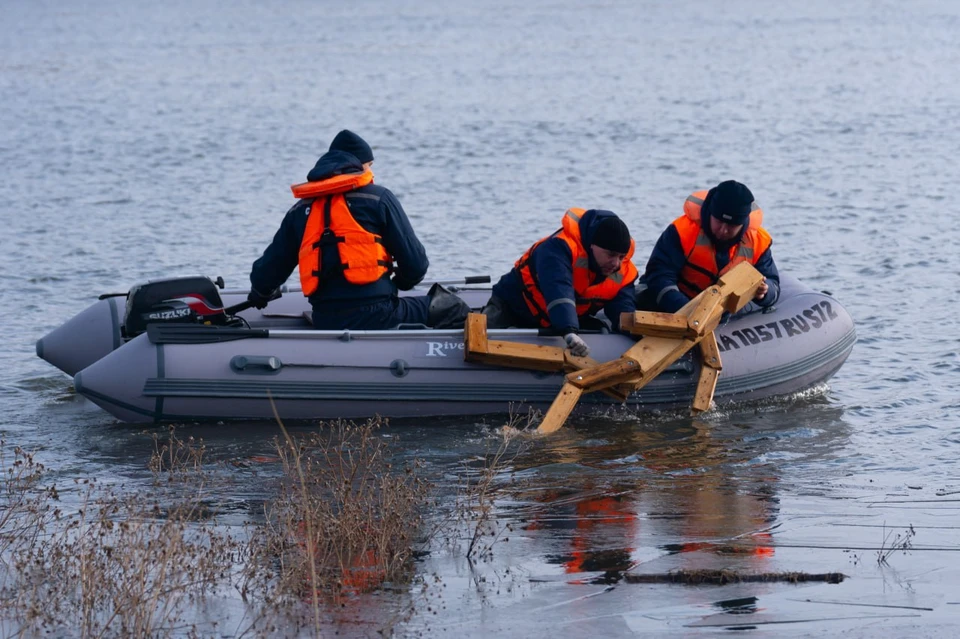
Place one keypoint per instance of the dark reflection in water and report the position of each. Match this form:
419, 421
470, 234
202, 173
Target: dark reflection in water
741, 606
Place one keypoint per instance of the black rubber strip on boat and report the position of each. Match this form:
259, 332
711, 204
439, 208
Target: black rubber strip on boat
161, 371
114, 323
186, 334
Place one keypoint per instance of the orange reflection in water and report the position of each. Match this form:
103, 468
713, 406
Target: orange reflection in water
692, 498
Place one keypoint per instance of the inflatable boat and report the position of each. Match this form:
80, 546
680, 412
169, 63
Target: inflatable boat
182, 350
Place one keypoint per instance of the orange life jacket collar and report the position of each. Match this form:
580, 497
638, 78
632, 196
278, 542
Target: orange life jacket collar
331, 185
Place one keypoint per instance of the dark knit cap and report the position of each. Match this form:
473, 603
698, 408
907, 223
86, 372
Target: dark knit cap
612, 234
730, 202
353, 144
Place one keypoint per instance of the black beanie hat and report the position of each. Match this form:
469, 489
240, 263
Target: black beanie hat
731, 202
612, 234
352, 143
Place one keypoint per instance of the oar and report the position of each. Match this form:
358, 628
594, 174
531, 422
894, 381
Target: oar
194, 334
470, 279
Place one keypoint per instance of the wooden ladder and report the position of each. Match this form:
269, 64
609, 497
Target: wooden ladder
666, 338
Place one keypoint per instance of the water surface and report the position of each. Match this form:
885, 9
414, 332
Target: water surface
142, 140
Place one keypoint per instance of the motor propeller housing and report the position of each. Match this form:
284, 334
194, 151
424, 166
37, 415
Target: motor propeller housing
182, 300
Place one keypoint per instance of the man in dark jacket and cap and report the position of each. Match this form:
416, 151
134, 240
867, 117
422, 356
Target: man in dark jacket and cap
719, 229
567, 277
352, 243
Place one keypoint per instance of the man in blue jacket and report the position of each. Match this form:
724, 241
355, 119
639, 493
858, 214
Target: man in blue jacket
719, 228
353, 244
567, 277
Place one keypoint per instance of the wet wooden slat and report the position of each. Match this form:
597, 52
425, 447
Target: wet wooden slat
560, 409
706, 385
608, 374
655, 324
475, 336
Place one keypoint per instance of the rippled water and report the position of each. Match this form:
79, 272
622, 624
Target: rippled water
146, 139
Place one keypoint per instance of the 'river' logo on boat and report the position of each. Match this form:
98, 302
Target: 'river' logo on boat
441, 349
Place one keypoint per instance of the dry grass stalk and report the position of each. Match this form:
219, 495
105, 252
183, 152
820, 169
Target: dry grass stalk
26, 508
480, 488
115, 566
345, 521
902, 542
176, 459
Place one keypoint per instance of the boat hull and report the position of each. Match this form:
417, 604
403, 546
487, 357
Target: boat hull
307, 374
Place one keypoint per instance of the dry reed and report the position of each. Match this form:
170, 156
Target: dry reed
115, 565
345, 521
482, 485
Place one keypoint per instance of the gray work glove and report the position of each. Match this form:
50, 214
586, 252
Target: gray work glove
577, 346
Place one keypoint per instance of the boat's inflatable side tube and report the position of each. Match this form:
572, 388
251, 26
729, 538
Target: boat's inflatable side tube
88, 336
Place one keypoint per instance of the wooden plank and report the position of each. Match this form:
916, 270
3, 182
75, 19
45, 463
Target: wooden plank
655, 354
475, 336
710, 352
740, 284
520, 355
706, 385
573, 363
560, 409
655, 324
607, 374
707, 311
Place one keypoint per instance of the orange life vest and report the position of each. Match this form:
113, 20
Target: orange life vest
700, 271
363, 258
600, 517
591, 294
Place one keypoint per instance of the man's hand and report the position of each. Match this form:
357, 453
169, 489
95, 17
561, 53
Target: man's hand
258, 299
577, 346
762, 291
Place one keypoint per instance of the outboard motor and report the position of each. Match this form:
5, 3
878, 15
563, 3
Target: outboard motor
182, 300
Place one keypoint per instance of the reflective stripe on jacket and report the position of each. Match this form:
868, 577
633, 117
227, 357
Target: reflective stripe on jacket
592, 290
363, 258
701, 270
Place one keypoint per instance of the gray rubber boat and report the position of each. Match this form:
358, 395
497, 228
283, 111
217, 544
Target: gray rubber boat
176, 372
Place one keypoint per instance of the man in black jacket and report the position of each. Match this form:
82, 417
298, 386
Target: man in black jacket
360, 247
718, 229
